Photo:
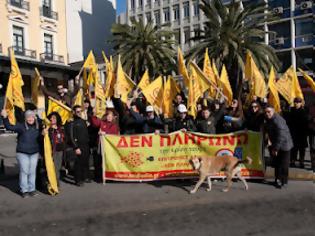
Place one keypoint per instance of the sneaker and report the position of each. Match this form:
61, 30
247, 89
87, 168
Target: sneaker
33, 193
25, 195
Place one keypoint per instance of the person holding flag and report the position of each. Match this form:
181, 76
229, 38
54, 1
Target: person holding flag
183, 121
27, 150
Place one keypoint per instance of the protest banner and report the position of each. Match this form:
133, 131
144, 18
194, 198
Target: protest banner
155, 157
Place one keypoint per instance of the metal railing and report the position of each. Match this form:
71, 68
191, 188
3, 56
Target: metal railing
20, 4
19, 51
52, 57
46, 12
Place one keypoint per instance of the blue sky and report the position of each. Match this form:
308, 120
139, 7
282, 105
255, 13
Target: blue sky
121, 6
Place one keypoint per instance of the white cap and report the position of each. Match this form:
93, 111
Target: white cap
181, 108
109, 104
149, 109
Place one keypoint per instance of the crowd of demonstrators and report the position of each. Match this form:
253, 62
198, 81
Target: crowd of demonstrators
286, 133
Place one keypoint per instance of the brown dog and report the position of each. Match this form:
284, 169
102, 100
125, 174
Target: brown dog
207, 166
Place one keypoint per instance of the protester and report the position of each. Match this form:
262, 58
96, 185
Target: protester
57, 138
79, 140
311, 132
62, 94
183, 121
298, 124
234, 117
27, 150
106, 125
207, 123
255, 117
152, 123
280, 145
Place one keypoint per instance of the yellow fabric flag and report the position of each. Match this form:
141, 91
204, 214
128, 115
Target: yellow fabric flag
89, 61
16, 83
308, 79
208, 71
8, 103
100, 99
79, 98
194, 92
288, 86
273, 99
182, 70
199, 77
50, 167
256, 79
154, 93
37, 97
110, 77
57, 106
145, 80
226, 86
169, 93
124, 84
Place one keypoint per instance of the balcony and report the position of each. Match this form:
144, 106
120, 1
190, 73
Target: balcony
48, 57
304, 40
46, 12
19, 51
20, 4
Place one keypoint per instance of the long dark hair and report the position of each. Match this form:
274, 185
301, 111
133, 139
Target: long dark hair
58, 118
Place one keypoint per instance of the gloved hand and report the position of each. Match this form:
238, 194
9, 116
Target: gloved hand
228, 118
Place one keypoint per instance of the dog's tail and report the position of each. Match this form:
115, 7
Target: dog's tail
247, 160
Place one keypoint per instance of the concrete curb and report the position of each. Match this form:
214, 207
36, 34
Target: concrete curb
294, 174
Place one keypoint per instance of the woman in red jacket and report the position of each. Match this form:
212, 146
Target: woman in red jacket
106, 125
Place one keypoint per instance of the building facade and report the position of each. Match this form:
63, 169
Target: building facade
88, 27
294, 29
36, 31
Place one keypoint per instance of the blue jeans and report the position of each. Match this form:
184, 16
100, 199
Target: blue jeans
28, 164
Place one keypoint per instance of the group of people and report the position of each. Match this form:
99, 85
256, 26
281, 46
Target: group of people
286, 134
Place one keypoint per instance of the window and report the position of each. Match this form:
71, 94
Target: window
186, 9
140, 3
17, 3
47, 8
132, 4
48, 46
196, 30
167, 14
176, 12
157, 17
177, 35
148, 16
186, 34
196, 8
18, 39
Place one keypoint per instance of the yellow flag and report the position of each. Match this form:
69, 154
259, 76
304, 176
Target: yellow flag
110, 76
100, 99
199, 77
194, 91
79, 98
50, 167
57, 106
37, 97
273, 99
89, 61
308, 79
8, 103
182, 70
288, 86
154, 93
145, 80
226, 86
256, 79
16, 83
208, 71
169, 93
124, 84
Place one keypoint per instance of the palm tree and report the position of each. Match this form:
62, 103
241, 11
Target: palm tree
144, 47
230, 31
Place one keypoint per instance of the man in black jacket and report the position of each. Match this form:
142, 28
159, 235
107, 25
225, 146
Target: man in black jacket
183, 121
298, 124
79, 140
280, 144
